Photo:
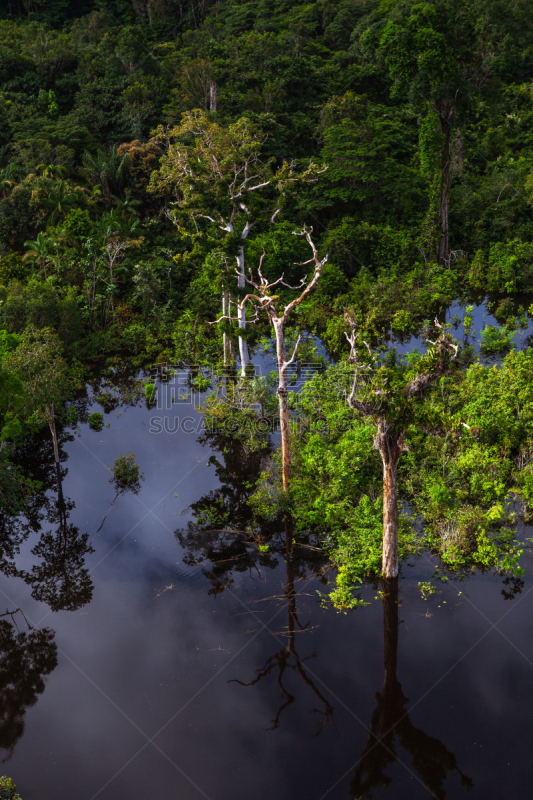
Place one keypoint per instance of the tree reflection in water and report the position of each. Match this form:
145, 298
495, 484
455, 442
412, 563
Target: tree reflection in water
390, 720
60, 579
219, 538
287, 657
25, 658
221, 542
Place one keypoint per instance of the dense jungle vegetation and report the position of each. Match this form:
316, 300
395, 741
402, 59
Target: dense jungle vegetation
148, 147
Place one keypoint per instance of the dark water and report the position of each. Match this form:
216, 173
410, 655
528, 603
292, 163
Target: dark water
481, 319
230, 681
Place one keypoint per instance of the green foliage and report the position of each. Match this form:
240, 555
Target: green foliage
426, 589
496, 340
46, 381
8, 790
96, 421
42, 305
510, 267
150, 391
357, 551
12, 267
118, 237
126, 473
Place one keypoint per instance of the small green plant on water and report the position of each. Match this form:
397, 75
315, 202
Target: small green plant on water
96, 421
8, 790
150, 390
200, 383
264, 548
426, 589
467, 320
126, 473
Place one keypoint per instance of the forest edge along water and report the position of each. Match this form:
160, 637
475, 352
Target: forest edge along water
266, 431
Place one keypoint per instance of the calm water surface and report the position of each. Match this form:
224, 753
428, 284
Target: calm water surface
169, 685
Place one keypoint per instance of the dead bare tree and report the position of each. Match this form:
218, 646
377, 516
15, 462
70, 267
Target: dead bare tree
217, 174
263, 299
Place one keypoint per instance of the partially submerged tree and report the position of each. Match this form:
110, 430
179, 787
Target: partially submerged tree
38, 362
216, 174
392, 397
262, 299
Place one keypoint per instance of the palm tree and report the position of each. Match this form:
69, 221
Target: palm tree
40, 252
127, 205
51, 170
116, 224
8, 178
109, 170
62, 198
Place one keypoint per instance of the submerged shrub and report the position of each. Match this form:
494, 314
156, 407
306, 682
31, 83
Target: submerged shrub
8, 790
126, 474
496, 340
96, 421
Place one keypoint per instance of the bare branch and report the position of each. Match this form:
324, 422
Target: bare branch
259, 186
302, 283
370, 353
318, 271
291, 359
247, 228
224, 316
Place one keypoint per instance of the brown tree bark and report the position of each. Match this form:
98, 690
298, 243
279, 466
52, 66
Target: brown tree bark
391, 445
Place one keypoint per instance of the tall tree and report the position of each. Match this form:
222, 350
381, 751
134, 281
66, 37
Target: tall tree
261, 298
442, 57
38, 362
216, 174
392, 397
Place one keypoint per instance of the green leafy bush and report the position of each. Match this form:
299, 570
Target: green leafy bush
8, 790
126, 473
96, 421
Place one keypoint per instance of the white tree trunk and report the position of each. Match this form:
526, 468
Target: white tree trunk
243, 347
283, 404
225, 311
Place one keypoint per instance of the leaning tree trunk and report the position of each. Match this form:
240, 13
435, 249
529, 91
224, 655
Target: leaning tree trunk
283, 400
390, 445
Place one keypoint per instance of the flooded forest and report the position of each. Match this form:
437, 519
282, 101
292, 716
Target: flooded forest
266, 399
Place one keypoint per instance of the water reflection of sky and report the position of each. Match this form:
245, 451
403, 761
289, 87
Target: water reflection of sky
143, 660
